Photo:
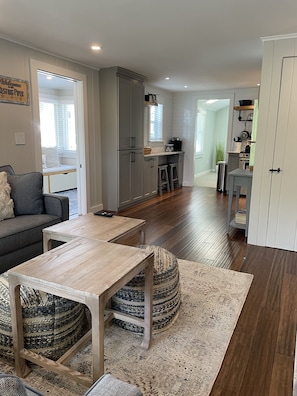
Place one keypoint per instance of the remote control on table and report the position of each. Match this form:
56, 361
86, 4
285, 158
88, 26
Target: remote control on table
104, 214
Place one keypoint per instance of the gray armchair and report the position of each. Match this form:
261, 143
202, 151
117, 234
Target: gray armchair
21, 235
107, 385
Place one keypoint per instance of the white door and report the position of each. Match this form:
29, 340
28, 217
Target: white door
282, 219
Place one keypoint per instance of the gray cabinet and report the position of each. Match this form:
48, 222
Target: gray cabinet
121, 113
150, 176
233, 163
180, 168
131, 94
130, 177
239, 178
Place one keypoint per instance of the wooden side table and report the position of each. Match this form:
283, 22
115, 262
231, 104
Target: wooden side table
89, 272
108, 229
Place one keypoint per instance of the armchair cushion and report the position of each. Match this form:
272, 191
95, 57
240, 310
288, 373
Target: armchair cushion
22, 231
11, 385
26, 192
6, 202
108, 385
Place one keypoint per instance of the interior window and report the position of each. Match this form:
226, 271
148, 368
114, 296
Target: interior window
47, 124
154, 123
57, 125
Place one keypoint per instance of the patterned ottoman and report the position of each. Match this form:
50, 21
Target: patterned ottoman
166, 297
51, 324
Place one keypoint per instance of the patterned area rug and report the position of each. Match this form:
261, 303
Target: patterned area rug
183, 360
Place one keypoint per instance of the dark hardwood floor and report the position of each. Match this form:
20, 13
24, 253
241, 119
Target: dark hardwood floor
191, 223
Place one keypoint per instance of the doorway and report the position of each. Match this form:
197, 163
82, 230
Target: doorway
58, 136
211, 136
74, 154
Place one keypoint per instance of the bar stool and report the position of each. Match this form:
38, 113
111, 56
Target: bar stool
163, 178
173, 176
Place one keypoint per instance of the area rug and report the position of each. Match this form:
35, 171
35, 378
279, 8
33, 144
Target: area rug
183, 360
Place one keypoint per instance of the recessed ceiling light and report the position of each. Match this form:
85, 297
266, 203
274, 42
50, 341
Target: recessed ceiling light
96, 47
185, 86
167, 78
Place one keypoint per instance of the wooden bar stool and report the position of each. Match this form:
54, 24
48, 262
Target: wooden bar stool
163, 178
173, 176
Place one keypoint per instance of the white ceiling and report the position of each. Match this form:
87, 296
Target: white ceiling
204, 44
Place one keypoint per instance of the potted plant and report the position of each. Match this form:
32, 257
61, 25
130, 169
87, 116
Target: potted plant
220, 154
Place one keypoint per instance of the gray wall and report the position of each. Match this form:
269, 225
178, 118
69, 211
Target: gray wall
179, 118
15, 63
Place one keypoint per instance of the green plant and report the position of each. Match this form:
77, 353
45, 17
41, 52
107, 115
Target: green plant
220, 154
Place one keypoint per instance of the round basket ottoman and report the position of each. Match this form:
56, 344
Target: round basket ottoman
166, 293
51, 324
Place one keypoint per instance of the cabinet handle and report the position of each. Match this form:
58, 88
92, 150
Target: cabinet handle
133, 156
275, 170
132, 141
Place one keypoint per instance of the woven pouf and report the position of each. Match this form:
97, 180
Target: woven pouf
166, 293
51, 324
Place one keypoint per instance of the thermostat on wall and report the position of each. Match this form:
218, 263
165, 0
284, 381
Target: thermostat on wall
19, 138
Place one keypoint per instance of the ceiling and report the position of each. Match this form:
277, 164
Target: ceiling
204, 45
213, 105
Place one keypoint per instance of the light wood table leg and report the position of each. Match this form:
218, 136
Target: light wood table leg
97, 307
17, 329
49, 184
142, 237
47, 242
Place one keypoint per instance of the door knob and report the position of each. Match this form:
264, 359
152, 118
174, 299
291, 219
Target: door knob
275, 170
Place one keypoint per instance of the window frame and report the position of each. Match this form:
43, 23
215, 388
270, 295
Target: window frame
149, 123
60, 108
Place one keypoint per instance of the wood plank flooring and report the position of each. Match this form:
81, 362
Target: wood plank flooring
191, 223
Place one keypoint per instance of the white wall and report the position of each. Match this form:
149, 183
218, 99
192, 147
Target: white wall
221, 126
184, 116
15, 63
215, 133
204, 161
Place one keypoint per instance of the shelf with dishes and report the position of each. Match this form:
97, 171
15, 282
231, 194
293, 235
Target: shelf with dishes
249, 117
244, 108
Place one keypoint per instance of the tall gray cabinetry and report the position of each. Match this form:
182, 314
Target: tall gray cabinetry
150, 176
121, 112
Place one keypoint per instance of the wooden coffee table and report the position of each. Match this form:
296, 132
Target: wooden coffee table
87, 271
109, 229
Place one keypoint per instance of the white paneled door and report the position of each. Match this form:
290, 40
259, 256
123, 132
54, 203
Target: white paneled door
282, 219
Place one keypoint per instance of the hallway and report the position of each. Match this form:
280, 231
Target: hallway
208, 179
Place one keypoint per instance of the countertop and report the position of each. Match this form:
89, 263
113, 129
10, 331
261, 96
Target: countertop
163, 153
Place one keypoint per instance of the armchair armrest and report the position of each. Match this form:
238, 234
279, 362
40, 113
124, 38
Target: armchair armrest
108, 385
56, 205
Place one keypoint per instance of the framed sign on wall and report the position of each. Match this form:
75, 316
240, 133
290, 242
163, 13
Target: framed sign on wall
14, 91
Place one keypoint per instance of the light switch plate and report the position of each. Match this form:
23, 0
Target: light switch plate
20, 138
